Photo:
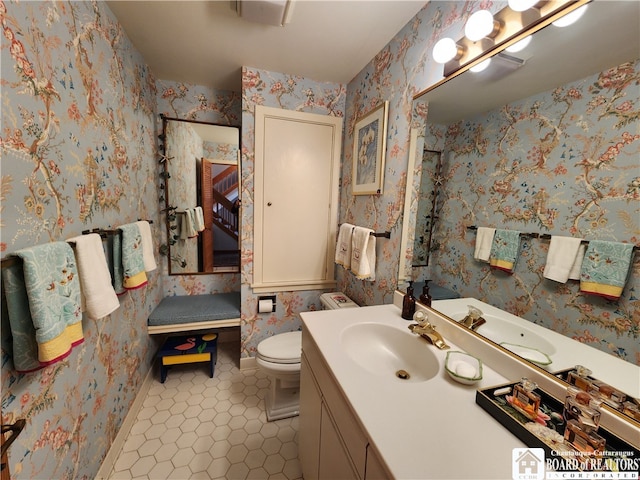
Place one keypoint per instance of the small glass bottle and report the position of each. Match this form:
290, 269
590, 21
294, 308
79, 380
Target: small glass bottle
583, 408
425, 298
579, 377
585, 441
409, 303
525, 400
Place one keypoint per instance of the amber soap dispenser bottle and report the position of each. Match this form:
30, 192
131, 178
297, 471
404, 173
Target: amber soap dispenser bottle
409, 303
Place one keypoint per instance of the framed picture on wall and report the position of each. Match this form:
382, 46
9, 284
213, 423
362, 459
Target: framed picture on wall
369, 148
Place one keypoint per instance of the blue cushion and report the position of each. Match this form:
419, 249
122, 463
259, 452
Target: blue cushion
195, 308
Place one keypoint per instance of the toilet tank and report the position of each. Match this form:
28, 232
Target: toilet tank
336, 300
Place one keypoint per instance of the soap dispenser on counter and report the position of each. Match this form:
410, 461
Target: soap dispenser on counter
409, 303
425, 297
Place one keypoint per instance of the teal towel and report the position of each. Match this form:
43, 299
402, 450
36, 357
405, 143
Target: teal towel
132, 257
505, 250
605, 268
23, 333
54, 302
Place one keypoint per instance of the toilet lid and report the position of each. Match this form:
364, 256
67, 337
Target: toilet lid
281, 348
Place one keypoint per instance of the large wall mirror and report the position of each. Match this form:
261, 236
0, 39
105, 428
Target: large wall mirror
606, 37
202, 186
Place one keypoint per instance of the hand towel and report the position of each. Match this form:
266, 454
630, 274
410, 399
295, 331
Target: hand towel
563, 254
199, 219
115, 242
484, 239
132, 257
99, 297
187, 227
605, 268
343, 246
147, 246
53, 292
574, 274
23, 333
363, 254
505, 249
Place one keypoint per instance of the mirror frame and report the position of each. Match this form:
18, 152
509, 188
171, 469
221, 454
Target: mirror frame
170, 210
417, 131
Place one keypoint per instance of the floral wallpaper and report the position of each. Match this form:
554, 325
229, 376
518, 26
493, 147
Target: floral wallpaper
563, 162
78, 152
271, 89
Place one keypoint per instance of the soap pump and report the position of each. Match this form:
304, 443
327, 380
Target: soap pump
409, 303
425, 298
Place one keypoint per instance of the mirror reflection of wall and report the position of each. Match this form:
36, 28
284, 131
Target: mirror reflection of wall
559, 159
202, 194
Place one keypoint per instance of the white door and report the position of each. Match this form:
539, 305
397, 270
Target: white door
297, 158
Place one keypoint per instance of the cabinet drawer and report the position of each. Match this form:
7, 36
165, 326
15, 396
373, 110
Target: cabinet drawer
349, 428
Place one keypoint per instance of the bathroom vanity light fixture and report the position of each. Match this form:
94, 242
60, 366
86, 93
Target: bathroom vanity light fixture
485, 32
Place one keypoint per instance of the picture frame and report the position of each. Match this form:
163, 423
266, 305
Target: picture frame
369, 148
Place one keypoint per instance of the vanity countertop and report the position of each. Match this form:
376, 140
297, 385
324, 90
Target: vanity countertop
431, 429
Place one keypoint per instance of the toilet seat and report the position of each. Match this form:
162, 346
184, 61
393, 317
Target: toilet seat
283, 348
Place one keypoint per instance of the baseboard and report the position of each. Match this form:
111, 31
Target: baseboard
118, 442
248, 363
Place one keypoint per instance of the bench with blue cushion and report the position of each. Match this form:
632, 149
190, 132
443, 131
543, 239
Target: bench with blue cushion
181, 313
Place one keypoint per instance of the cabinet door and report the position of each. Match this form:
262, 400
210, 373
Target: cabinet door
310, 417
295, 199
334, 460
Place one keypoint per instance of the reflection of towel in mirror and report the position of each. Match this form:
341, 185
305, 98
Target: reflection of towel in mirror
53, 310
562, 256
187, 225
147, 246
484, 239
199, 219
505, 250
363, 254
132, 257
605, 268
343, 246
99, 297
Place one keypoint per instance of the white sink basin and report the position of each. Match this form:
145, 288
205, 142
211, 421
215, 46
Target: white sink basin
388, 352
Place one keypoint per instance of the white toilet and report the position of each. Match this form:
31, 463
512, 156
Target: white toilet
279, 358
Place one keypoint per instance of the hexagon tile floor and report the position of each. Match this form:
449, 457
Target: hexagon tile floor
196, 427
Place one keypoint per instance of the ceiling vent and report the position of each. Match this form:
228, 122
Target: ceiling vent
502, 65
268, 12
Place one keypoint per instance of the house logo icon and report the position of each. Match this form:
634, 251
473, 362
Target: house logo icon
528, 464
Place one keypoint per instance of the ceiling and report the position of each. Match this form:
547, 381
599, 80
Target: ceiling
206, 42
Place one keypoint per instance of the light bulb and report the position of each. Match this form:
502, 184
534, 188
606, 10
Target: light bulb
570, 18
481, 66
521, 5
479, 25
444, 50
521, 45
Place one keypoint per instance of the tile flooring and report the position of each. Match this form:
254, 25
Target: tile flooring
196, 427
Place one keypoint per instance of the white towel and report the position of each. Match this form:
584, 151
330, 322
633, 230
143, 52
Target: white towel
343, 247
562, 258
187, 229
147, 246
99, 299
363, 254
484, 240
199, 217
574, 274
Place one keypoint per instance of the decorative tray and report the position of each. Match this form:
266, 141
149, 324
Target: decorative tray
547, 431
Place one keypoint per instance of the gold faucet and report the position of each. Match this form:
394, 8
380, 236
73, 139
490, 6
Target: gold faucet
428, 332
473, 319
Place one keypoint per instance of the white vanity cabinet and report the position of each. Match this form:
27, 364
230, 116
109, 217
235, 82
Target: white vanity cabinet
332, 443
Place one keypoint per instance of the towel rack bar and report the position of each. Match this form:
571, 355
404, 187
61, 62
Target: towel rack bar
546, 236
379, 234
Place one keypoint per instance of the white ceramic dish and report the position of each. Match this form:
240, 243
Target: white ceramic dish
532, 354
463, 368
